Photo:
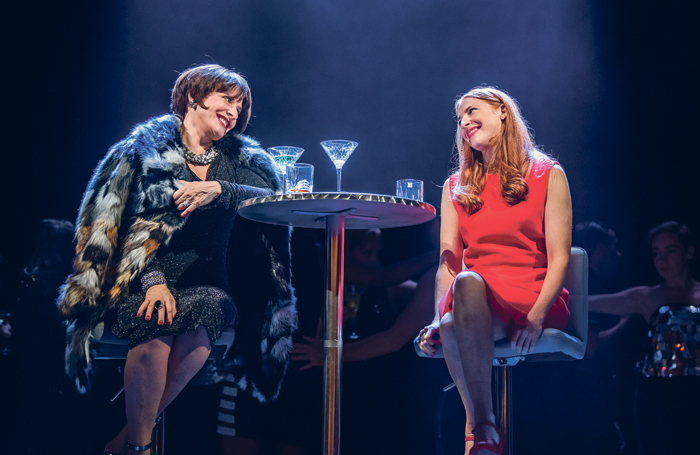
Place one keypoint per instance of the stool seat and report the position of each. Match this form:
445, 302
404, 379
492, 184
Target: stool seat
553, 345
108, 347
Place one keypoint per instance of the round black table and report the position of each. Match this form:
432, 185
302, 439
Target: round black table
335, 212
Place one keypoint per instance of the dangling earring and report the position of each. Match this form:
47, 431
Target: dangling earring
193, 105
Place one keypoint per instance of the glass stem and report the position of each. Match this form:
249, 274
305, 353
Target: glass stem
338, 170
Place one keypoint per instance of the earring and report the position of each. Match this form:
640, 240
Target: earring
193, 105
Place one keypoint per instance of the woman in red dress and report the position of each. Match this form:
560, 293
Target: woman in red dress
506, 214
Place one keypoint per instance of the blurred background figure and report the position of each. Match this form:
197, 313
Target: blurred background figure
601, 245
672, 249
666, 407
382, 304
600, 242
46, 401
605, 379
36, 311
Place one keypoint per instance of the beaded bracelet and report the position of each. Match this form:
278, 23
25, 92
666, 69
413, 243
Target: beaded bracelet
151, 279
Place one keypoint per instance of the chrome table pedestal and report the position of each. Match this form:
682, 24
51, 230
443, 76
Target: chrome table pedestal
335, 212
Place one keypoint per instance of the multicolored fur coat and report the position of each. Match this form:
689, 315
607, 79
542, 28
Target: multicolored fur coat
127, 212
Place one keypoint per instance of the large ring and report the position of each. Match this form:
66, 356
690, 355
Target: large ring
158, 305
186, 204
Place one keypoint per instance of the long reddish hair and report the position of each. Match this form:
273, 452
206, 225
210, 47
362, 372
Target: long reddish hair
514, 150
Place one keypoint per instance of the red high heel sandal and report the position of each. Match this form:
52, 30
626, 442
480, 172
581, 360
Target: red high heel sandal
488, 444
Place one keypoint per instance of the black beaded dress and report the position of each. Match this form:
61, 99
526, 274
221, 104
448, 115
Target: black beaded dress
194, 261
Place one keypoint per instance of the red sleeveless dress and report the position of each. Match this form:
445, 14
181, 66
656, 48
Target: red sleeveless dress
505, 245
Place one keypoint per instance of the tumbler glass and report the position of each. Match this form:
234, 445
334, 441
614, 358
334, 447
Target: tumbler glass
410, 189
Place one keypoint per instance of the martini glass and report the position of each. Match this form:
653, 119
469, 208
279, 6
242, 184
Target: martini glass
339, 152
284, 156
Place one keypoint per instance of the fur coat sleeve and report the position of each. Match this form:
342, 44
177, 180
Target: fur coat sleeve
127, 213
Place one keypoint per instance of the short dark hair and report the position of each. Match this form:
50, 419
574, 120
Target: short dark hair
589, 234
673, 227
203, 80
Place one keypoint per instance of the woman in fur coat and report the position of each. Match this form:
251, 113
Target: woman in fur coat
153, 234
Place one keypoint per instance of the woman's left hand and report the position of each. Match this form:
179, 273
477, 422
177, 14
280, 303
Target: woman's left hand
194, 195
429, 338
523, 340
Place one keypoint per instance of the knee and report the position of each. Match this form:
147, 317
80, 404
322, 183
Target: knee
469, 296
149, 350
468, 285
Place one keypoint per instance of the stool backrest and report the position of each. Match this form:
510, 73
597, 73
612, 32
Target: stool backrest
576, 282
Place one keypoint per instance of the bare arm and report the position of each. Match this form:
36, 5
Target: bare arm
557, 234
451, 249
413, 318
416, 314
630, 301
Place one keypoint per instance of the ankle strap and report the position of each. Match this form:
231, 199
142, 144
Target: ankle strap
143, 448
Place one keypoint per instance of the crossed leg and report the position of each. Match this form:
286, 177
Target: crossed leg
467, 336
156, 371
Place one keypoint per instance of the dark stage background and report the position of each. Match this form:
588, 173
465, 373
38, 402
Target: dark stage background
610, 87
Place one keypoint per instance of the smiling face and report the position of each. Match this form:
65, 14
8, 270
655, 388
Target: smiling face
480, 122
216, 115
671, 257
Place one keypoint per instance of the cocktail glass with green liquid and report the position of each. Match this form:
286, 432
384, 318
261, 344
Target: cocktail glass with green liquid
284, 156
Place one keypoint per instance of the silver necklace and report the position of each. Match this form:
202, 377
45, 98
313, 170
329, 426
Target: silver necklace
204, 159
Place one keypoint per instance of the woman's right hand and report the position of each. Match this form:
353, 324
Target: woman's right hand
167, 311
429, 338
193, 195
